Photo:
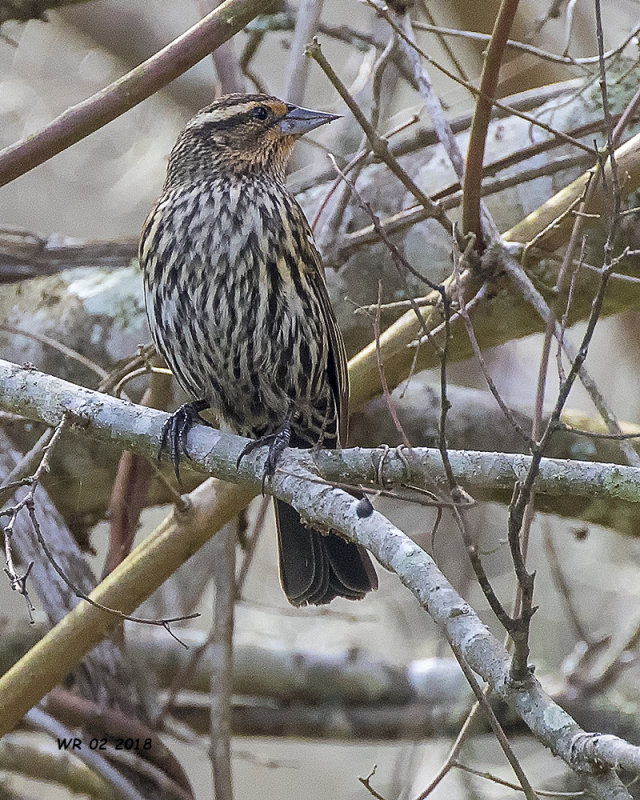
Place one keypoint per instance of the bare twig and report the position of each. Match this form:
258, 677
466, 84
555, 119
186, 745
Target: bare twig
383, 380
335, 226
19, 583
453, 753
501, 782
250, 545
148, 369
28, 503
357, 160
68, 352
27, 465
379, 146
399, 260
563, 586
466, 319
485, 38
366, 782
483, 702
377, 5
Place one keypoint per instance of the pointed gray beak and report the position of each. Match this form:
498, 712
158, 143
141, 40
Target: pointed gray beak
298, 121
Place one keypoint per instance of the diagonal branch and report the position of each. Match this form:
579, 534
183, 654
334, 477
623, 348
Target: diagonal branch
395, 340
96, 111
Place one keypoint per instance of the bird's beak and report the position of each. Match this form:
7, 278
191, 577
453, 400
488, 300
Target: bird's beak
298, 121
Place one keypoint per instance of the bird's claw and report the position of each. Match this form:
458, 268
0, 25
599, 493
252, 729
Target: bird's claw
175, 431
277, 443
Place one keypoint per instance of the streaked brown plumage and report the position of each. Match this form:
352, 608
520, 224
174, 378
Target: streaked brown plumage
238, 307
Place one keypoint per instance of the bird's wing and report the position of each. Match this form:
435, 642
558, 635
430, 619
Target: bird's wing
337, 363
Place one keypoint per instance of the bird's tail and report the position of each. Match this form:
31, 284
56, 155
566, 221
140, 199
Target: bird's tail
316, 567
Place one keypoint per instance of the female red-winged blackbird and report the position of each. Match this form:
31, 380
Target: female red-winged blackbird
238, 307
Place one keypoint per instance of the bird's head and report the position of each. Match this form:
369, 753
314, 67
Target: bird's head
241, 134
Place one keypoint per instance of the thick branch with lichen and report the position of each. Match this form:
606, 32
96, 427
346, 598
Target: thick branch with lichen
42, 397
139, 429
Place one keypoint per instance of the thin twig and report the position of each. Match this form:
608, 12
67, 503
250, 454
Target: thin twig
400, 262
21, 474
495, 726
359, 158
466, 319
563, 587
380, 10
379, 146
485, 38
366, 782
251, 543
59, 346
443, 41
28, 503
137, 373
450, 197
335, 225
47, 443
524, 491
383, 381
501, 782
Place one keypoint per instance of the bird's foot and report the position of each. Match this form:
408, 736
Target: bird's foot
176, 429
277, 443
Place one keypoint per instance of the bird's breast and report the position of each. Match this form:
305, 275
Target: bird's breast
229, 302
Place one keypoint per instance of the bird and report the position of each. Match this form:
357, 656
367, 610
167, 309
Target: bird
238, 306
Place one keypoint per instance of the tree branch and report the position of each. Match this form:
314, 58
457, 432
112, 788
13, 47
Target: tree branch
215, 503
86, 117
395, 340
108, 419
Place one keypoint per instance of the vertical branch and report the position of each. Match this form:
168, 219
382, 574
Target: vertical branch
306, 27
225, 60
481, 118
131, 484
222, 662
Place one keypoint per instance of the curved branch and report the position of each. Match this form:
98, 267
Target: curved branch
150, 564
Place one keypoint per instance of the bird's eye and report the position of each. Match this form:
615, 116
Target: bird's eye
260, 113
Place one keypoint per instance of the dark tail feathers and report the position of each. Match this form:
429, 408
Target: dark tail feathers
315, 568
